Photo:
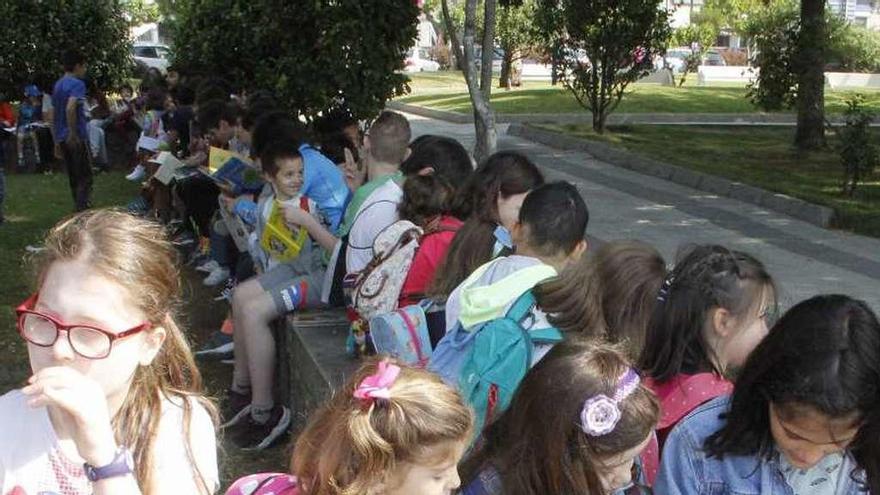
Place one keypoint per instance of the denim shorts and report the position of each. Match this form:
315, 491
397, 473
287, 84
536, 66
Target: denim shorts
291, 290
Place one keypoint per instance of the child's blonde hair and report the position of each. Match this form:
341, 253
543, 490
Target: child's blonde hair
352, 445
136, 254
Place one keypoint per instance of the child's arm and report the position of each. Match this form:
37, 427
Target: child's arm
297, 217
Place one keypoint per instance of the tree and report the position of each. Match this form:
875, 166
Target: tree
517, 35
311, 55
140, 12
479, 81
699, 37
810, 63
31, 51
605, 46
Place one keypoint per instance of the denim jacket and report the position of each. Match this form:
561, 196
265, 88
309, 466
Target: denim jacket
686, 469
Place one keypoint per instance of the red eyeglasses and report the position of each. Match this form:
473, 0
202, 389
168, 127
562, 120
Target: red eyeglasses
88, 341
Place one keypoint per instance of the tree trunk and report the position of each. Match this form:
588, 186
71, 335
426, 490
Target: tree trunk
452, 36
504, 79
811, 77
480, 90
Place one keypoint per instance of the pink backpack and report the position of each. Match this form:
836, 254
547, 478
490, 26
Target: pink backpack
265, 484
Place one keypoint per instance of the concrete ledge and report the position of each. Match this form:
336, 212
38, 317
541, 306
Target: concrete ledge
455, 117
312, 362
822, 216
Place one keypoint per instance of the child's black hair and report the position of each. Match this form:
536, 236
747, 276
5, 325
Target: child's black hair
705, 277
425, 198
211, 113
334, 121
213, 88
446, 156
156, 99
275, 126
333, 146
824, 353
274, 153
555, 217
71, 58
184, 95
256, 109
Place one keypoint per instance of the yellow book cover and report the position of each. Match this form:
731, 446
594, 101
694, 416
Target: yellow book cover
278, 241
218, 156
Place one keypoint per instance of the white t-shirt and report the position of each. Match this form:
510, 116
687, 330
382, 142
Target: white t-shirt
377, 212
31, 460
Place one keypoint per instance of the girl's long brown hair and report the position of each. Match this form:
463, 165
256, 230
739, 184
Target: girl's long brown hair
350, 445
610, 294
136, 254
538, 447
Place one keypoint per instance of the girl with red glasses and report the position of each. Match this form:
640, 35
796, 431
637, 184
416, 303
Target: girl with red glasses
115, 401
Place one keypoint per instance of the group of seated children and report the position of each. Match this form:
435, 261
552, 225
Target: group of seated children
534, 364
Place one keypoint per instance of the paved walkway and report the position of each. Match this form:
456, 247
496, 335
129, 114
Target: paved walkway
806, 260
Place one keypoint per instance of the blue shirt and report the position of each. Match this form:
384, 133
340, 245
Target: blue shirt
69, 87
687, 470
324, 183
28, 114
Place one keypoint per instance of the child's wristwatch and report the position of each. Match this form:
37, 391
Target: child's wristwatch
122, 464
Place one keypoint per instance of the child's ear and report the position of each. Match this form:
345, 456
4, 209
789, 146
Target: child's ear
429, 170
153, 340
579, 249
723, 322
406, 155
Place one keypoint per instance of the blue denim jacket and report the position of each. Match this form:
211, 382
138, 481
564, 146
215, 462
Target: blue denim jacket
686, 469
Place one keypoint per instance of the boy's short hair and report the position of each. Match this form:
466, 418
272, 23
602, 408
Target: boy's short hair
275, 126
333, 146
334, 121
255, 110
211, 113
275, 152
389, 137
71, 58
555, 218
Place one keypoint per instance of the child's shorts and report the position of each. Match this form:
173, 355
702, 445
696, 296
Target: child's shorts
291, 291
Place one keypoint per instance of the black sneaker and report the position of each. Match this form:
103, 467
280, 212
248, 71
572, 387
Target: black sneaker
235, 408
219, 346
250, 435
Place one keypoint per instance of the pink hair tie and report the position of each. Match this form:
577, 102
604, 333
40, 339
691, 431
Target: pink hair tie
378, 385
600, 413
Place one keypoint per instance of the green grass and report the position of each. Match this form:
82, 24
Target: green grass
447, 91
759, 156
33, 204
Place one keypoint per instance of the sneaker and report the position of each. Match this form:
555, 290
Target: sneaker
250, 435
235, 408
226, 293
219, 346
216, 277
208, 266
137, 174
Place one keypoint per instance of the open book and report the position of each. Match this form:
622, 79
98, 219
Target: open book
228, 168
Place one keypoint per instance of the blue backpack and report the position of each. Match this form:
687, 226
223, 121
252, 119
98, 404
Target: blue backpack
488, 361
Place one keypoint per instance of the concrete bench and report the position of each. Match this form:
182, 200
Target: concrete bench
852, 80
707, 74
312, 362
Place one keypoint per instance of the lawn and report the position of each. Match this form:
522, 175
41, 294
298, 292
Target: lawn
760, 156
36, 202
447, 91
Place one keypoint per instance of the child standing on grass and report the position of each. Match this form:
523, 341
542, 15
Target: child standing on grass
115, 402
252, 418
391, 430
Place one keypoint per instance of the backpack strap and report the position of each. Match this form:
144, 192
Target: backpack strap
522, 307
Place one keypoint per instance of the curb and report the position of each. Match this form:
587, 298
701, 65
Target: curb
717, 119
821, 216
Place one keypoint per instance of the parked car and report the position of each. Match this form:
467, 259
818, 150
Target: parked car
414, 62
152, 55
713, 57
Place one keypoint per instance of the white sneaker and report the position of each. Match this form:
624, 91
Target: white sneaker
216, 277
137, 174
208, 266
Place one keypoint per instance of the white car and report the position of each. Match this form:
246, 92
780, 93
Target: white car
416, 62
152, 55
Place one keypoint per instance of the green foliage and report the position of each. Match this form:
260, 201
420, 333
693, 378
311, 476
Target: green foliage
140, 12
604, 45
312, 55
854, 49
728, 14
858, 154
38, 32
515, 29
774, 30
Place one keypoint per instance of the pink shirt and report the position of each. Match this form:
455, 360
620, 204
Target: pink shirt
431, 252
682, 394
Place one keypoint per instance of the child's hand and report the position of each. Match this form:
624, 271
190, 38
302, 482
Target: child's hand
295, 216
83, 410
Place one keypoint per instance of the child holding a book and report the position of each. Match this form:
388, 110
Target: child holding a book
292, 270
